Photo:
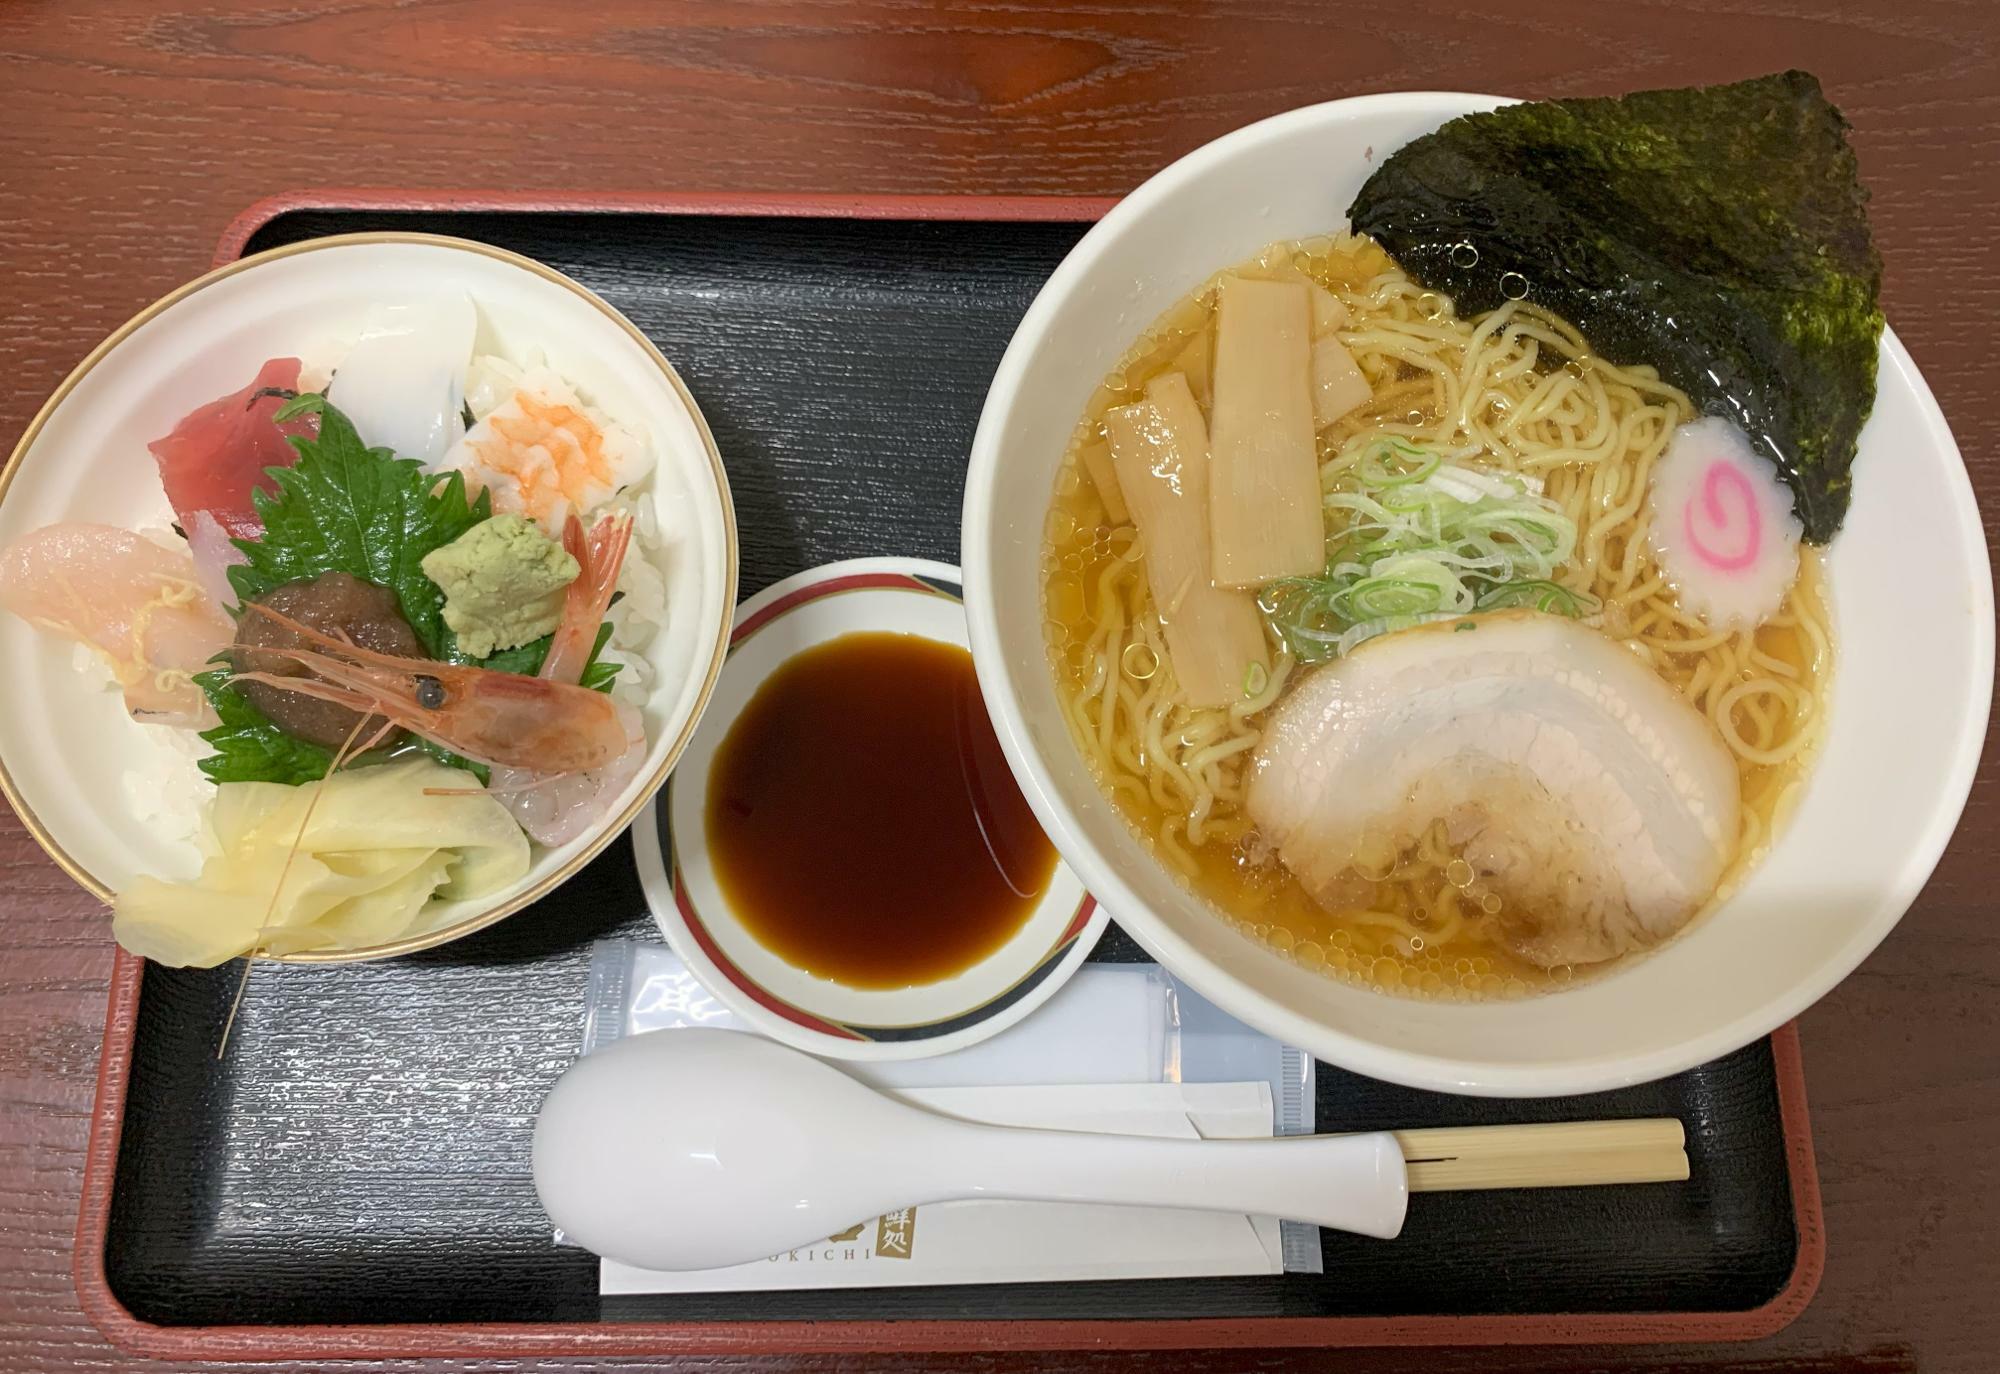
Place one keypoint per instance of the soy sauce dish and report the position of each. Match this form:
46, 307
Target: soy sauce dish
843, 855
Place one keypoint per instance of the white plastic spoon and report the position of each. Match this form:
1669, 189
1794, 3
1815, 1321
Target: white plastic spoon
693, 1149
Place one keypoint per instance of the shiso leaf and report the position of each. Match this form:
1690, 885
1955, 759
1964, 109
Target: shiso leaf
346, 507
598, 675
248, 747
343, 507
1719, 233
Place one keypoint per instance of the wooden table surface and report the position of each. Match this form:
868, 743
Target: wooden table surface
135, 130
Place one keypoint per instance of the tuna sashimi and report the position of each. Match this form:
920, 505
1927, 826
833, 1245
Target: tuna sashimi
137, 604
217, 454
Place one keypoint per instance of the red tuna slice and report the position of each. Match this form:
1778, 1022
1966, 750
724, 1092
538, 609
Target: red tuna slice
217, 454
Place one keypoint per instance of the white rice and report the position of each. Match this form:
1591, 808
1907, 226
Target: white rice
637, 615
169, 794
491, 379
163, 788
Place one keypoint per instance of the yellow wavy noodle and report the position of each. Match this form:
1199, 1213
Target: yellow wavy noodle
1523, 387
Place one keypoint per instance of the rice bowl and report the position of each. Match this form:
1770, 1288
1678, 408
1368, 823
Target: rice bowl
65, 752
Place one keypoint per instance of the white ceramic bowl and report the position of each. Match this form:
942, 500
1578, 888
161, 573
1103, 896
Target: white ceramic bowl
65, 746
813, 1013
1913, 606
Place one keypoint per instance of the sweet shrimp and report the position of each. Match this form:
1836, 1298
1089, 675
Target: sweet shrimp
555, 810
599, 557
504, 720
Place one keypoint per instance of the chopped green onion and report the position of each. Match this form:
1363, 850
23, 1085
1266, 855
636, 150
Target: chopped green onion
1393, 462
1374, 597
1412, 536
1256, 677
1551, 598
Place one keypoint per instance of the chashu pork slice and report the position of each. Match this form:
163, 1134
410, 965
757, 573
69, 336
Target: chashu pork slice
1582, 788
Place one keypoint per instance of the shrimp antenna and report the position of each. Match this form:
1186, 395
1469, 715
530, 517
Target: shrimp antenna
512, 789
341, 756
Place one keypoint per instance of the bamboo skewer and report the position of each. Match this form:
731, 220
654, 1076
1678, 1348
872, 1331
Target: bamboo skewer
1565, 1154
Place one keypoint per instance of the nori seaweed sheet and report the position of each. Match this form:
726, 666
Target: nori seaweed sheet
1718, 233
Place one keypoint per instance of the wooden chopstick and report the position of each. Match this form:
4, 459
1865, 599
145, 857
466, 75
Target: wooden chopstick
1559, 1154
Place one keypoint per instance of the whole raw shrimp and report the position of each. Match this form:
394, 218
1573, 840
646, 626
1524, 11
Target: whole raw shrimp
505, 720
556, 809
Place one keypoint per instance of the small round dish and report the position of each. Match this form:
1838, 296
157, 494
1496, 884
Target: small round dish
901, 595
68, 752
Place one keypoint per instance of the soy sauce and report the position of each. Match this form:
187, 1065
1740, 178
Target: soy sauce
862, 821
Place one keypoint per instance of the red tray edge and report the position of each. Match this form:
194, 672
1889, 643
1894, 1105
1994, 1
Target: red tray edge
263, 1343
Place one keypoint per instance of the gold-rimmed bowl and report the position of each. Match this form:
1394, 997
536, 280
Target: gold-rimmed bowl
72, 764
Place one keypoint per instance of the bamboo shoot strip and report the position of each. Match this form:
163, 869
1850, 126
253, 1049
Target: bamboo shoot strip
1196, 362
1338, 386
1328, 313
1264, 499
1096, 458
1159, 450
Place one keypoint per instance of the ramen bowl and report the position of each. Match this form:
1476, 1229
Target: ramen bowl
1911, 684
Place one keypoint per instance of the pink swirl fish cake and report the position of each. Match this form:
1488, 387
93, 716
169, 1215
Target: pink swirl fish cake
1721, 526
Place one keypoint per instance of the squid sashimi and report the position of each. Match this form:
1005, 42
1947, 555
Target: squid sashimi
138, 605
215, 553
218, 453
555, 809
403, 382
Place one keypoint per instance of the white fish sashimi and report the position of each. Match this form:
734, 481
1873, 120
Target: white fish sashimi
215, 553
133, 602
403, 382
1591, 796
1721, 526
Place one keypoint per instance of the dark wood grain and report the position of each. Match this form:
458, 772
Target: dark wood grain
134, 131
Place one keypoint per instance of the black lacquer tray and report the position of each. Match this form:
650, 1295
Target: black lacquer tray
351, 1177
